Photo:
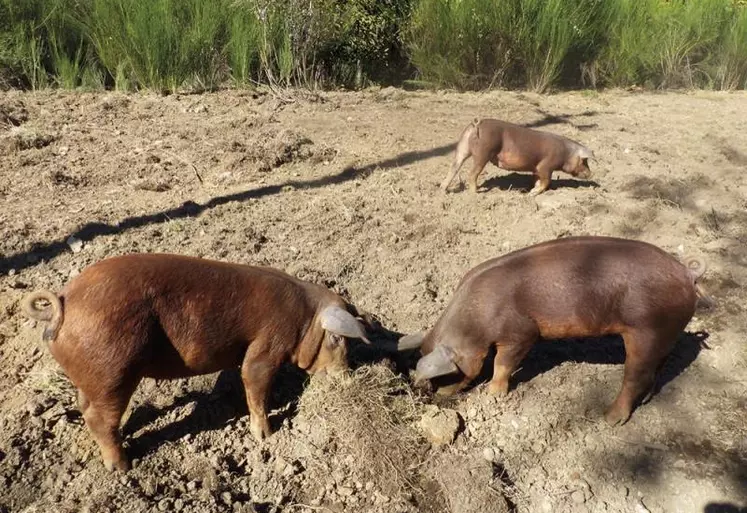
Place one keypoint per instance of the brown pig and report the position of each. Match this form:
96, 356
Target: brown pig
570, 287
516, 148
168, 316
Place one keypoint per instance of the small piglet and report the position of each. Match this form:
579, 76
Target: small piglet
570, 287
516, 148
168, 316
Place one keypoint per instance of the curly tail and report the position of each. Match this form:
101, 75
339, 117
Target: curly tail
51, 313
695, 265
697, 268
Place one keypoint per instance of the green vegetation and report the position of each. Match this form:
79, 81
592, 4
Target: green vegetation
168, 45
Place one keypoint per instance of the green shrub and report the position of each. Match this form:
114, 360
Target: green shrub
467, 44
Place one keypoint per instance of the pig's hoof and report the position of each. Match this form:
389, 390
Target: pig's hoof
498, 389
259, 430
121, 465
535, 192
616, 417
448, 390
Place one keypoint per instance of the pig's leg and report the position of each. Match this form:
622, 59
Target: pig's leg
644, 353
462, 153
507, 359
471, 368
257, 373
544, 175
478, 164
102, 416
83, 401
511, 350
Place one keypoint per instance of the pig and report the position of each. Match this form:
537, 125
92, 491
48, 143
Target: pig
516, 148
570, 287
168, 316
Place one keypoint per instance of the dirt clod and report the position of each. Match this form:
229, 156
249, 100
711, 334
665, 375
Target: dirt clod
439, 425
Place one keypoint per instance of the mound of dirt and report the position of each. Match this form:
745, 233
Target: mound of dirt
271, 149
22, 138
12, 113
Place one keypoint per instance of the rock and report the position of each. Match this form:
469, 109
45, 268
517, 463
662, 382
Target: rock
490, 454
578, 497
345, 491
75, 244
163, 504
439, 425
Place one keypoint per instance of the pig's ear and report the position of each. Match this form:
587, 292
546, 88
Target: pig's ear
586, 153
411, 341
438, 362
339, 321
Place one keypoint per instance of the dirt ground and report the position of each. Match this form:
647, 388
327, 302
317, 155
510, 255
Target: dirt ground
341, 189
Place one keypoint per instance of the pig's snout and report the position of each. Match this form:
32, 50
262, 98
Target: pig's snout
438, 362
583, 171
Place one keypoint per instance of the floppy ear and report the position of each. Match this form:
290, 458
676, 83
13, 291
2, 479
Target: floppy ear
340, 322
438, 362
586, 153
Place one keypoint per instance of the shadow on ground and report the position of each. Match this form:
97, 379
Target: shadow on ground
525, 181
49, 250
212, 410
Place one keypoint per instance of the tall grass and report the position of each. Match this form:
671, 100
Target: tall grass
162, 44
170, 45
541, 43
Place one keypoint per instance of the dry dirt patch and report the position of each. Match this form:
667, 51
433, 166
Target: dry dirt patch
358, 209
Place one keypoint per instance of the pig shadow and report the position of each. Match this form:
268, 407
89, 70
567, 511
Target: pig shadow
547, 354
211, 410
723, 507
525, 181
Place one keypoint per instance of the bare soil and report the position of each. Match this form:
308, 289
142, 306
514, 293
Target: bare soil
341, 189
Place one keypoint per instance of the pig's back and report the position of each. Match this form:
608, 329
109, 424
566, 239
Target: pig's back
599, 283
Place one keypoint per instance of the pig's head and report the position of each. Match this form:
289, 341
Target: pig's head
577, 163
334, 325
436, 360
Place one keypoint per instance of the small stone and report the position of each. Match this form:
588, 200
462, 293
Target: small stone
163, 504
345, 491
439, 425
472, 413
490, 454
75, 244
578, 497
227, 499
178, 505
191, 486
369, 486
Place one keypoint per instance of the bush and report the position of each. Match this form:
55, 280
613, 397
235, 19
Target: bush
467, 44
540, 43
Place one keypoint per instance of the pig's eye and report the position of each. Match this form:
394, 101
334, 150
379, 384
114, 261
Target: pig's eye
334, 341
